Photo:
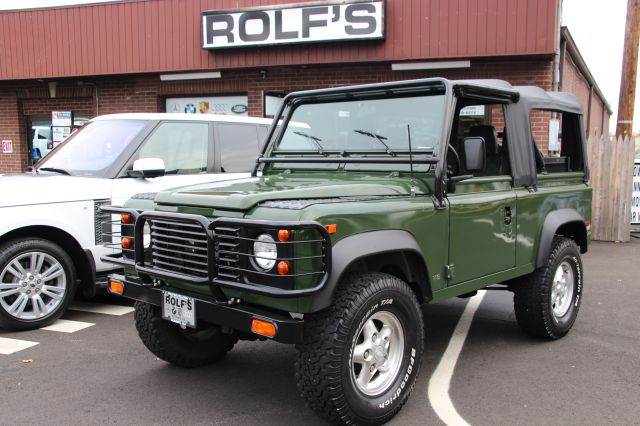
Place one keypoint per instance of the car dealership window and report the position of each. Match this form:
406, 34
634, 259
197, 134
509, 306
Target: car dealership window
183, 147
239, 145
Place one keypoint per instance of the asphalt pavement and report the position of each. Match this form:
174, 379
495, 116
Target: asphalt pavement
92, 368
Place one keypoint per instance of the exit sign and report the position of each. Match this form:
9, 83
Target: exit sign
7, 146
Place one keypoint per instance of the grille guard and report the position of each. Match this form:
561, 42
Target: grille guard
212, 280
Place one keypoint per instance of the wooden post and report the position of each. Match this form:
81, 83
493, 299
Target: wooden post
629, 70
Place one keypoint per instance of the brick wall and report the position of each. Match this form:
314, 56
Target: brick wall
147, 93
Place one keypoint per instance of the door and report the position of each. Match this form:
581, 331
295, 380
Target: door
237, 147
187, 151
482, 225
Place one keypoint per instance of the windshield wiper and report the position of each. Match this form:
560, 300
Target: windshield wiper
55, 170
377, 137
316, 141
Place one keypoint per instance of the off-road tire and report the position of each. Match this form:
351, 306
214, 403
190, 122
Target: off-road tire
323, 364
532, 293
172, 344
13, 248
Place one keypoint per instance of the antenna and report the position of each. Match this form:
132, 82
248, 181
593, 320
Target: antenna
413, 189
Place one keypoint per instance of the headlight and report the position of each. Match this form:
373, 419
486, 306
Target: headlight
146, 235
265, 252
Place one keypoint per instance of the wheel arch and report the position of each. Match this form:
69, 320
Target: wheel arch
566, 222
83, 261
394, 252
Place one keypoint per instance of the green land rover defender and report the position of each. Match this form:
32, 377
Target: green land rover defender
367, 202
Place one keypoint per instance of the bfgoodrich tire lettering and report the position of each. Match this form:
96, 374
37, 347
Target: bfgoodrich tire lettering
46, 288
537, 311
183, 348
324, 364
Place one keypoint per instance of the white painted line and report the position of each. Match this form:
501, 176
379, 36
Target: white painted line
9, 346
98, 308
66, 326
440, 381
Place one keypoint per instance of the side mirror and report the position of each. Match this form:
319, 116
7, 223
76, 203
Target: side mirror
474, 154
147, 168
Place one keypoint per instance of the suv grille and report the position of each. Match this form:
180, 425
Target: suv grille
227, 246
179, 247
101, 222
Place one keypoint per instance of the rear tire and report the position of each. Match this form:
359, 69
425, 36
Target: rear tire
186, 348
341, 345
547, 301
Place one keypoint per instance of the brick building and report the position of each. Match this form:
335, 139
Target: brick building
161, 55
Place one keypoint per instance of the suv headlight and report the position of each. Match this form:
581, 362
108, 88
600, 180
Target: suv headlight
265, 252
146, 235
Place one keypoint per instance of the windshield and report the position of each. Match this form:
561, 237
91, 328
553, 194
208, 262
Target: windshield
94, 148
379, 126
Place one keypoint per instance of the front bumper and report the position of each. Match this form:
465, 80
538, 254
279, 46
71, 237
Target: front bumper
237, 317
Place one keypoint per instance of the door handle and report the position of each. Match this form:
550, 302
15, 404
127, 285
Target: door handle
508, 216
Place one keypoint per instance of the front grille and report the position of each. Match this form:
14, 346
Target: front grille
179, 246
227, 249
101, 222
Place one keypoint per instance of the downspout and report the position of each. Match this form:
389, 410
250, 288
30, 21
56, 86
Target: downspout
555, 84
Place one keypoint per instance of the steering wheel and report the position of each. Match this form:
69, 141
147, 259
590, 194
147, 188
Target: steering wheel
453, 161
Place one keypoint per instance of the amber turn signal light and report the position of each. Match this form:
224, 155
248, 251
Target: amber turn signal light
126, 218
284, 235
284, 267
332, 228
263, 328
126, 243
116, 287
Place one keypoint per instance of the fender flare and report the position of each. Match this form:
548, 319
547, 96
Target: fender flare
355, 247
552, 223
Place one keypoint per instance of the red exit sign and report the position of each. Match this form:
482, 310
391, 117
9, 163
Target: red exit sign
7, 146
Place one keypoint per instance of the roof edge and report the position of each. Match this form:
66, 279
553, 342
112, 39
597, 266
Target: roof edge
578, 59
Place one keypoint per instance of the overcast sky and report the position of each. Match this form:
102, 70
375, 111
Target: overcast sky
597, 27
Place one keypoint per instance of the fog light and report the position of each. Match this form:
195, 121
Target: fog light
116, 287
263, 328
284, 267
126, 218
126, 243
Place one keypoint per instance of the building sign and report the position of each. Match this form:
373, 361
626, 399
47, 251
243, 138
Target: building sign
61, 118
7, 146
289, 24
227, 105
635, 198
472, 111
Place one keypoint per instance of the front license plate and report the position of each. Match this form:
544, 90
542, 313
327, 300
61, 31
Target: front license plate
179, 309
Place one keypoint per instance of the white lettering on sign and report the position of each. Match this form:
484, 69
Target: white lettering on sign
333, 21
7, 146
635, 196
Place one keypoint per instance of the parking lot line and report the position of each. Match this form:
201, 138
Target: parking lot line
440, 381
10, 346
67, 326
98, 308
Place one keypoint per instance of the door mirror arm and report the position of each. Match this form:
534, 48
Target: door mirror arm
453, 180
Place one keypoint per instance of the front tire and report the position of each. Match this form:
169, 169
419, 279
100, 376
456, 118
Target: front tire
37, 282
185, 348
547, 301
360, 357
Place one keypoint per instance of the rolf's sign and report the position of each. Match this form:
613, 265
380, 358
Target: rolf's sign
300, 23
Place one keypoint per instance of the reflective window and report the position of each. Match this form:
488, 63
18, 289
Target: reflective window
184, 147
239, 147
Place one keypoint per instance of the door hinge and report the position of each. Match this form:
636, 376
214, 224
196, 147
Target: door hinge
449, 271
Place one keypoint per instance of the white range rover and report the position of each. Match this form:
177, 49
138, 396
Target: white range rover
51, 233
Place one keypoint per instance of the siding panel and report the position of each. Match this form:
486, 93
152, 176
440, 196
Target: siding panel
165, 35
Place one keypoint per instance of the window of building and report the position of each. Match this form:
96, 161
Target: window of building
272, 102
184, 147
239, 146
557, 140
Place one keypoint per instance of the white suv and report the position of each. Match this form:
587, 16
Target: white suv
51, 233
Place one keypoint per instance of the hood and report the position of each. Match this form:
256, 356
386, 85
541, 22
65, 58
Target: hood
246, 193
44, 188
